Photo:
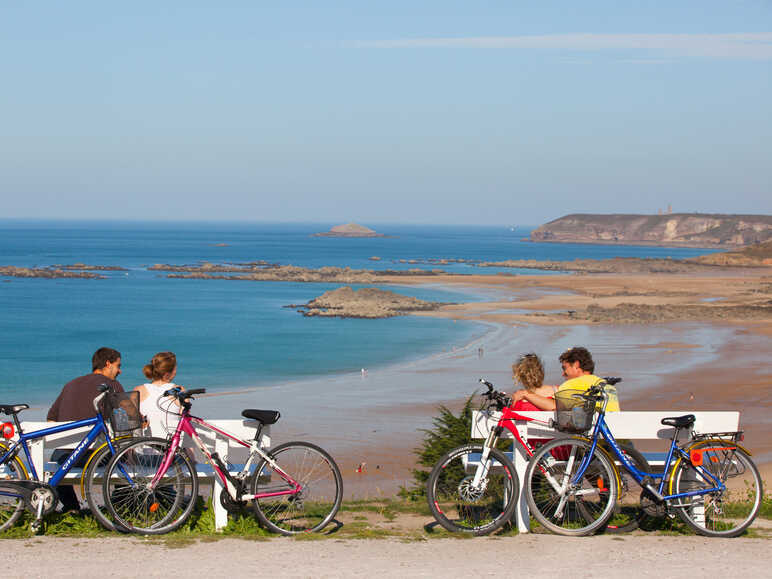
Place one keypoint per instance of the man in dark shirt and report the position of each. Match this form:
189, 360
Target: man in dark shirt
76, 402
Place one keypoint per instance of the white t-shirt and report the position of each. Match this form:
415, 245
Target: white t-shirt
159, 422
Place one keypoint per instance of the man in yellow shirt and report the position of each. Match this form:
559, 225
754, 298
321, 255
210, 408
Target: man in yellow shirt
578, 367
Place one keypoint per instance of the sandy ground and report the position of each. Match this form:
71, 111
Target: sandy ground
531, 555
373, 425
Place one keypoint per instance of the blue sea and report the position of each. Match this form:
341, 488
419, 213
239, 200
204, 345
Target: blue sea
227, 334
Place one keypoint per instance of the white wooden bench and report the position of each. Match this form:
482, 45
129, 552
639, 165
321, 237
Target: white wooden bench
41, 450
623, 425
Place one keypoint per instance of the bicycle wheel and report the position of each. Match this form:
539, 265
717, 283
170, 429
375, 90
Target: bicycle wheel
91, 482
574, 509
131, 501
627, 515
10, 507
461, 506
310, 470
721, 513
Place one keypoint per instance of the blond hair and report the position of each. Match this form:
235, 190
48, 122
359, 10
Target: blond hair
163, 363
529, 371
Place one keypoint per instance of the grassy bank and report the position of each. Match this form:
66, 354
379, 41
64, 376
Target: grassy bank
399, 518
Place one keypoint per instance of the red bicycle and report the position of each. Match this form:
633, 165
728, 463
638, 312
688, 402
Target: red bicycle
474, 488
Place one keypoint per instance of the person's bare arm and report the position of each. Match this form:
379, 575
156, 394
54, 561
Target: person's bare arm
543, 402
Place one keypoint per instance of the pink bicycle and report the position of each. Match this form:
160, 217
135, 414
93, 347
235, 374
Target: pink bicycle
151, 487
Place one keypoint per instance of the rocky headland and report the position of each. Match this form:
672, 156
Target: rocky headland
369, 303
350, 230
672, 229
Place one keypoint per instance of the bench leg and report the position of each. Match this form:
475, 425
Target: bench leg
523, 516
220, 514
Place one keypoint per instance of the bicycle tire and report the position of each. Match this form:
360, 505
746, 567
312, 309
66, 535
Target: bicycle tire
628, 516
458, 506
723, 513
12, 469
320, 496
547, 475
136, 507
92, 490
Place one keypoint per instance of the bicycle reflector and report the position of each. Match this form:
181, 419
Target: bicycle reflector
8, 430
696, 457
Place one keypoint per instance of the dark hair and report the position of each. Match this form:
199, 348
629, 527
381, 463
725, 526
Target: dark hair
529, 371
581, 355
102, 356
162, 363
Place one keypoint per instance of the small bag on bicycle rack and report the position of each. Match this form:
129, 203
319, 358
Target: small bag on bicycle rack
573, 414
122, 410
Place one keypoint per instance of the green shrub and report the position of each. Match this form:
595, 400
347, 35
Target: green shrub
449, 431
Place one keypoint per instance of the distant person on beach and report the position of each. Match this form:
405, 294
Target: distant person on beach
529, 371
76, 402
578, 367
160, 371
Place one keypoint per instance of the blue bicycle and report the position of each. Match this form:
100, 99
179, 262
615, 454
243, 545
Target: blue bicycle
572, 484
20, 484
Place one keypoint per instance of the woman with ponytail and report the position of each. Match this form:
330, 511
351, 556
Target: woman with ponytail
160, 372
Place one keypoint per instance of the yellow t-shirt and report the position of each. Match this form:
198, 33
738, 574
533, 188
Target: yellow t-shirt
584, 383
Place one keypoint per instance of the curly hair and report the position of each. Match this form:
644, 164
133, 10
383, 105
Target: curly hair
529, 371
581, 355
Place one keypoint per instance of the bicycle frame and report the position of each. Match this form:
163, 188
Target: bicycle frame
601, 429
186, 426
98, 427
506, 421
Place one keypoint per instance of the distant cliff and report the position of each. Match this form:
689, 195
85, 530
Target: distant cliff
675, 229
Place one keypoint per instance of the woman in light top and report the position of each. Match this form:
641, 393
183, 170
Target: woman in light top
160, 371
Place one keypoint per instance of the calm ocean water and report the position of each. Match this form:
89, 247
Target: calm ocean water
228, 335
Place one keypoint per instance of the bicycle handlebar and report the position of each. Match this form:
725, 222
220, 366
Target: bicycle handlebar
500, 398
183, 395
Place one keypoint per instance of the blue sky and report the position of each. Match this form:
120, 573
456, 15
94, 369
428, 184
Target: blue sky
422, 112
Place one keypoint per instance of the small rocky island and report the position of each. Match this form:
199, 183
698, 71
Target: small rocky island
350, 230
370, 303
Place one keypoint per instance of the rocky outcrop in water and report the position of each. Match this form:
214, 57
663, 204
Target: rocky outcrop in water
272, 272
46, 272
675, 229
370, 303
349, 230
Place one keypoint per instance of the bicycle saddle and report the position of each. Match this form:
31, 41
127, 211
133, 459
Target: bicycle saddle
265, 417
12, 408
679, 421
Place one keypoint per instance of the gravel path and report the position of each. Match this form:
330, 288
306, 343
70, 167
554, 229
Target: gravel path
602, 556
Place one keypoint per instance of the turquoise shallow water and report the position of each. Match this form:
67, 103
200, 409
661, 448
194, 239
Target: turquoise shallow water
227, 334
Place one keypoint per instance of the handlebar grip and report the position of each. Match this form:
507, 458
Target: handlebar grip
486, 383
611, 380
195, 391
